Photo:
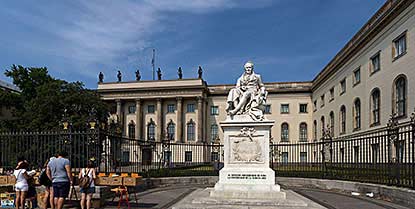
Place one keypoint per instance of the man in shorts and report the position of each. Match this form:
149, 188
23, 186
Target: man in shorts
59, 171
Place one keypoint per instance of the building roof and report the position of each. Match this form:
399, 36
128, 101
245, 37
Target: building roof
8, 86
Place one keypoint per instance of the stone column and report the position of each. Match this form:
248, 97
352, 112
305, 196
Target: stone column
118, 101
179, 119
138, 119
159, 119
199, 119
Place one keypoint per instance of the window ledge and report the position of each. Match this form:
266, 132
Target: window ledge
341, 93
356, 129
374, 72
399, 56
375, 124
303, 112
355, 84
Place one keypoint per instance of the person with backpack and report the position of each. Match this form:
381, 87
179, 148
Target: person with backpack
59, 171
45, 181
87, 177
21, 186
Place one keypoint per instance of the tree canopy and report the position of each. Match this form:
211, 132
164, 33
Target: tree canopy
44, 102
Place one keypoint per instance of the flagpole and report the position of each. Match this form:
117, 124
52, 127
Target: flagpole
152, 62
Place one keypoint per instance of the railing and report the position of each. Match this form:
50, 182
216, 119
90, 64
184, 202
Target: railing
385, 155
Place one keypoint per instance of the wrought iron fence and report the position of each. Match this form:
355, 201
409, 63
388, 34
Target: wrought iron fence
385, 155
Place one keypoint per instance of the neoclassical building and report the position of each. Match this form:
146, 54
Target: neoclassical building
367, 81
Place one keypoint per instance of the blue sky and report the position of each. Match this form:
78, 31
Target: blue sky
288, 40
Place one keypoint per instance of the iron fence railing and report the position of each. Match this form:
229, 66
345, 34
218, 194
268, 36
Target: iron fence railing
385, 155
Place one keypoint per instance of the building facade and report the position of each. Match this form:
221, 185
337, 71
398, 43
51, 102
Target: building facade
367, 81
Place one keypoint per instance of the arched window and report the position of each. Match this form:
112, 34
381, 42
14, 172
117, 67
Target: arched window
400, 96
332, 124
191, 130
284, 132
303, 132
322, 119
315, 130
342, 119
131, 130
356, 115
151, 130
375, 107
171, 130
213, 132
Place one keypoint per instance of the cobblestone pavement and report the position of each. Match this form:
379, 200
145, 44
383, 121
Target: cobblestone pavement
165, 197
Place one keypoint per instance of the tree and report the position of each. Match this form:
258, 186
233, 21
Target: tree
44, 101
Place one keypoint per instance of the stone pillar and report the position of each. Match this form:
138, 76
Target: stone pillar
159, 119
118, 101
138, 119
179, 119
199, 119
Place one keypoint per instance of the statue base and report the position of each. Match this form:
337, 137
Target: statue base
246, 173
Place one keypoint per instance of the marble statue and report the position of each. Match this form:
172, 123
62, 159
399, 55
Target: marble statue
137, 75
180, 73
159, 74
119, 76
249, 95
100, 77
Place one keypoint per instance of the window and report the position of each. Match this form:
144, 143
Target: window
214, 110
342, 86
191, 130
342, 119
375, 100
167, 158
131, 130
315, 105
267, 109
303, 132
315, 130
284, 132
213, 132
151, 130
131, 109
285, 108
332, 124
323, 123
356, 114
322, 100
171, 108
188, 156
150, 108
375, 63
399, 46
303, 108
331, 94
191, 107
284, 156
356, 76
171, 130
400, 96
303, 157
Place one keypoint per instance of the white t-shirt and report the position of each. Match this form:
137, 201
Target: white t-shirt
20, 179
89, 170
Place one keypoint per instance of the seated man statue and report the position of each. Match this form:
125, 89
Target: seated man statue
249, 95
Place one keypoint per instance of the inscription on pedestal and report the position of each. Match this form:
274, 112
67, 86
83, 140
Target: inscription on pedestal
246, 147
246, 176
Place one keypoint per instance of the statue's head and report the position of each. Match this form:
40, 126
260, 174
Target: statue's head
249, 67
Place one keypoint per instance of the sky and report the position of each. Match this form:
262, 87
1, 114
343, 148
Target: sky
288, 40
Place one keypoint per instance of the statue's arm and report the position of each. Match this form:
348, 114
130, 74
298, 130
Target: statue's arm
261, 85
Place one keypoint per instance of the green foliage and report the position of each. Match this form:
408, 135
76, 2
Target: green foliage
43, 100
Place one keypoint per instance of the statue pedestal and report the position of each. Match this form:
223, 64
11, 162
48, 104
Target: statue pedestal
246, 173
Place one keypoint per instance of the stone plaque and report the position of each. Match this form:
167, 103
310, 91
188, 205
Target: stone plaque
246, 149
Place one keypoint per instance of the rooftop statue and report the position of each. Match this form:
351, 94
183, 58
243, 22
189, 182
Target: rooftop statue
100, 77
159, 74
249, 95
199, 72
180, 73
137, 75
119, 76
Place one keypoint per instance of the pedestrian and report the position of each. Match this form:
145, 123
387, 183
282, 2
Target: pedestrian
22, 185
86, 193
59, 171
45, 181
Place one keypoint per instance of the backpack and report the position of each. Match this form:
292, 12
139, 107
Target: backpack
85, 181
44, 179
